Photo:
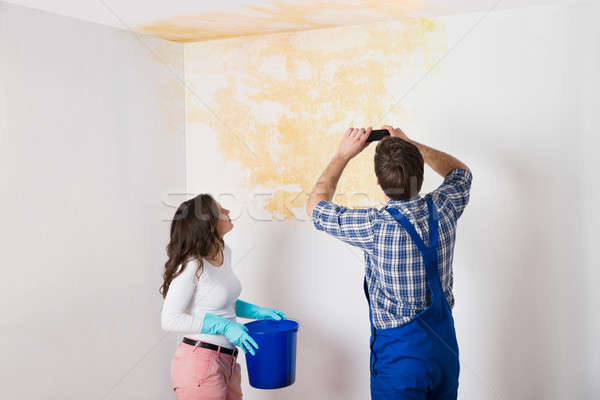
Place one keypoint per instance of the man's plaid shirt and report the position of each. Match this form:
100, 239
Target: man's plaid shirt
394, 270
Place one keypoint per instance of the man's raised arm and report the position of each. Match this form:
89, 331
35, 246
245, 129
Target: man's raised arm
440, 162
353, 142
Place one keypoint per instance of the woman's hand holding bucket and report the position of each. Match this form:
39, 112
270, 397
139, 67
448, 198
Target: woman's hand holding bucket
248, 310
235, 332
269, 313
238, 334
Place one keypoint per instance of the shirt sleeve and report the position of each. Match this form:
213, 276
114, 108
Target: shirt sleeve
173, 316
353, 226
453, 193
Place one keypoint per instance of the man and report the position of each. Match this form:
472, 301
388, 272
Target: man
408, 247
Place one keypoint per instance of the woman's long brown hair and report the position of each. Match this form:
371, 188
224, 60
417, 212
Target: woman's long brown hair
193, 235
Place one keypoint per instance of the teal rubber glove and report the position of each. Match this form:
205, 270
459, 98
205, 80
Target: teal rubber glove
234, 332
248, 310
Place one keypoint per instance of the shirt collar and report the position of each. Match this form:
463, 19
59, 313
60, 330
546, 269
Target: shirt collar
403, 204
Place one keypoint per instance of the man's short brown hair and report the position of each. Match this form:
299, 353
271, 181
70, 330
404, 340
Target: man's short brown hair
399, 168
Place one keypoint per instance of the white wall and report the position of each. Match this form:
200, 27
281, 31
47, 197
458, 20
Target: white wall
517, 100
91, 140
91, 126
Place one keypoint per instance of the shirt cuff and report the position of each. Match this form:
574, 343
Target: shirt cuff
318, 212
460, 173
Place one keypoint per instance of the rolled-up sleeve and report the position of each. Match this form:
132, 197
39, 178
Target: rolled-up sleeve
353, 226
453, 193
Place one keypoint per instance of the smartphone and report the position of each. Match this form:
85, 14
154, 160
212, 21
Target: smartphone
377, 134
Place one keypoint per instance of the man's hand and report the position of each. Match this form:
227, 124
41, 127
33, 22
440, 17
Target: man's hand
353, 142
439, 161
396, 132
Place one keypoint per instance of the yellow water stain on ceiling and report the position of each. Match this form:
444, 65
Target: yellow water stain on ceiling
279, 16
280, 103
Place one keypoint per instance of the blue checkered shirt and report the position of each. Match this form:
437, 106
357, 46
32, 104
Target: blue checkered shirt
394, 270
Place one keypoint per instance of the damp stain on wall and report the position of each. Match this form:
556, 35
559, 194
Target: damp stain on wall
279, 104
279, 16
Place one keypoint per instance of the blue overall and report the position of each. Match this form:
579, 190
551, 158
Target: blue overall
419, 359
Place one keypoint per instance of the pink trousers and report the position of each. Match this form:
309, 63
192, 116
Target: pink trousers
204, 374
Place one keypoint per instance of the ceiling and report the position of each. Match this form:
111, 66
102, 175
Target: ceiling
189, 20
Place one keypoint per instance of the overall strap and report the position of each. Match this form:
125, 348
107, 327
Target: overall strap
433, 223
429, 253
433, 226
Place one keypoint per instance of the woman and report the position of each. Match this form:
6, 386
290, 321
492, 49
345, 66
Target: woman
201, 300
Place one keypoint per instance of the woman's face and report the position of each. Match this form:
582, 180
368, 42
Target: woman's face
224, 223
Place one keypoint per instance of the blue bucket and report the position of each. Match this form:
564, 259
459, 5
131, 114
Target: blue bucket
274, 364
